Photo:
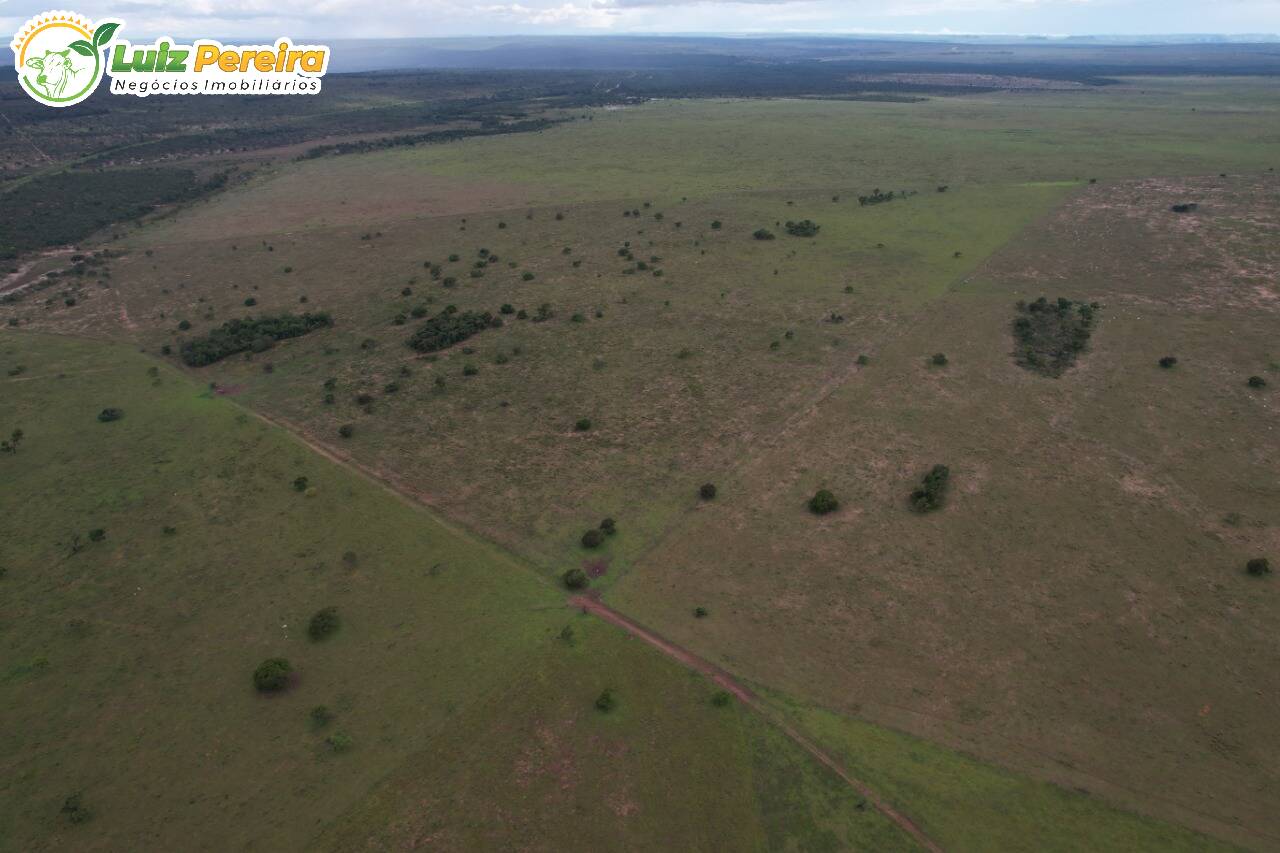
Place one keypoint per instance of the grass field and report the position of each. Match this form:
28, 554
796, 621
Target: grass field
1076, 613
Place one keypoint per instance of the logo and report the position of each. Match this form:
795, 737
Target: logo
61, 57
58, 57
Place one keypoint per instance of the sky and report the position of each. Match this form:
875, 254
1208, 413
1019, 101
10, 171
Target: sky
318, 19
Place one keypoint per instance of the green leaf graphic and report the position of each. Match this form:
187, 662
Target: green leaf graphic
81, 47
103, 34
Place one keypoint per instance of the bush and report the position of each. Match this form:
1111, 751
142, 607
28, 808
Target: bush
109, 415
582, 424
272, 675
1256, 382
863, 360
320, 716
1168, 361
250, 302
608, 527
75, 810
763, 234
97, 534
593, 538
700, 612
324, 623
451, 327
528, 276
340, 741
236, 336
939, 359
1258, 566
932, 491
575, 579
300, 484
721, 698
184, 325
707, 491
823, 502
506, 308
470, 370
606, 701
347, 430
803, 228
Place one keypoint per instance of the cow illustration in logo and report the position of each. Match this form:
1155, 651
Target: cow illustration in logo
58, 56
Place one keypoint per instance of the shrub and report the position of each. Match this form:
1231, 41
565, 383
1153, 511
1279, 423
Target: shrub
300, 484
347, 430
606, 701
1258, 566
506, 308
108, 415
451, 327
803, 228
721, 698
97, 534
715, 225
272, 675
700, 612
320, 716
1256, 382
75, 810
340, 741
250, 302
763, 234
470, 370
823, 502
582, 424
324, 623
608, 527
863, 361
932, 491
184, 325
1168, 361
528, 276
939, 359
575, 579
236, 336
707, 491
593, 538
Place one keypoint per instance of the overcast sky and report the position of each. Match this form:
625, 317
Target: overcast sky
362, 18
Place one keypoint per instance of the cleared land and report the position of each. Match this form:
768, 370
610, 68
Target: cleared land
1076, 611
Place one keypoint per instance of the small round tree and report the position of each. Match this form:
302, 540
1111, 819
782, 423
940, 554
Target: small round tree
1256, 382
575, 579
608, 527
939, 359
593, 538
606, 701
324, 623
1168, 361
1258, 566
272, 675
823, 502
707, 491
582, 424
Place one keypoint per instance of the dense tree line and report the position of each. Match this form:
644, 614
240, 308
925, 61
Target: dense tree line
363, 146
450, 327
257, 334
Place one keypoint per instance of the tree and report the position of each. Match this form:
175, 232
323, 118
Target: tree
575, 579
582, 424
939, 359
608, 527
1168, 361
593, 538
763, 234
272, 675
11, 445
97, 534
347, 430
707, 491
324, 623
933, 489
1258, 566
606, 701
823, 502
300, 484
110, 414
1256, 382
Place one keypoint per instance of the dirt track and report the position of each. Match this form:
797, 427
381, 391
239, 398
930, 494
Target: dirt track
597, 608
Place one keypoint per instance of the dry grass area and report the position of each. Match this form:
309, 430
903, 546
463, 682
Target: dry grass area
1079, 606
